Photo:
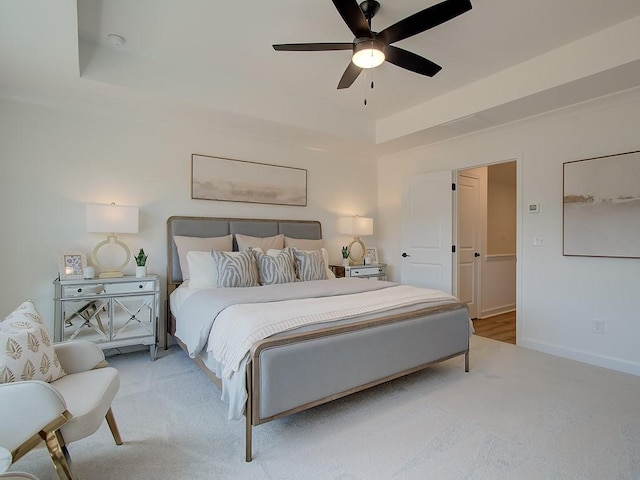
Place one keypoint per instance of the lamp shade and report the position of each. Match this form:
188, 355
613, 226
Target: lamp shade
356, 226
112, 218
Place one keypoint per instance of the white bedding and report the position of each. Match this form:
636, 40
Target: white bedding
212, 316
238, 327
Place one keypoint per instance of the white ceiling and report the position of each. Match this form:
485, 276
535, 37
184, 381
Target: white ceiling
214, 59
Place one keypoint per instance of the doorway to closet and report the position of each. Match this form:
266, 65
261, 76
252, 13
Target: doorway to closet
486, 213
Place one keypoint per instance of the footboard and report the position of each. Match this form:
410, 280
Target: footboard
290, 373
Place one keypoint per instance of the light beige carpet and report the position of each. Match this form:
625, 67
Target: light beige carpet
518, 414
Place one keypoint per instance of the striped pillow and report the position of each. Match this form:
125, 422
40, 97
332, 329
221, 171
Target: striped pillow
237, 270
276, 269
310, 266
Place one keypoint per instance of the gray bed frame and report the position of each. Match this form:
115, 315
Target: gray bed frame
294, 371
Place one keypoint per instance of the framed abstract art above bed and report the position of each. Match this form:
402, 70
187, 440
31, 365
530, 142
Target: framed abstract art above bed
225, 179
601, 206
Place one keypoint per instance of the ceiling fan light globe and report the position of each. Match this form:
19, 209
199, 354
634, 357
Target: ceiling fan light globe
367, 55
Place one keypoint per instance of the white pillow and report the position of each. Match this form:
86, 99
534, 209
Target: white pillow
325, 256
26, 349
303, 243
202, 270
185, 245
245, 242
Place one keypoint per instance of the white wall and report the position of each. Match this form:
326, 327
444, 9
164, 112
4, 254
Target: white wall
559, 296
55, 160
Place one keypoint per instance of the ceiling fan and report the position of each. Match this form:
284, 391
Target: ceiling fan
371, 48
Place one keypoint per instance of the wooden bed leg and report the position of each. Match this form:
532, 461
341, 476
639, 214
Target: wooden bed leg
249, 415
248, 453
466, 361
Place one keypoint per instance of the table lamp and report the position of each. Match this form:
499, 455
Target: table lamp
111, 219
356, 226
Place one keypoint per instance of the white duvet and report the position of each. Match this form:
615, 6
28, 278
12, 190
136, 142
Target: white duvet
238, 327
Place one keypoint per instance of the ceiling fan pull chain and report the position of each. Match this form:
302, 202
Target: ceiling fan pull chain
365, 88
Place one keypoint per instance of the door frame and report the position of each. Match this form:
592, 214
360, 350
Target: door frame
519, 234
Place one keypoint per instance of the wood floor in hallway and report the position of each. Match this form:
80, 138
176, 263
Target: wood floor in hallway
499, 327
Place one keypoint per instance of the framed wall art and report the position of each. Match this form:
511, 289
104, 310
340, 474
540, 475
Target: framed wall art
601, 206
71, 265
224, 179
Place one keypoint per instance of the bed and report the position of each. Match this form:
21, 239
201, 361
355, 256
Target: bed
336, 337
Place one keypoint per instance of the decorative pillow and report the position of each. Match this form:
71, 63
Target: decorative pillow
199, 244
275, 269
310, 266
202, 270
26, 349
245, 242
303, 243
325, 256
236, 269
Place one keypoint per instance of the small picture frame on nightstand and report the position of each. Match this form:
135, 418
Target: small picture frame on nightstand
71, 265
371, 256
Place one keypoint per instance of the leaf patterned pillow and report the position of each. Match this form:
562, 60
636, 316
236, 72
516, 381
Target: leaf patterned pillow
310, 265
276, 269
26, 349
236, 269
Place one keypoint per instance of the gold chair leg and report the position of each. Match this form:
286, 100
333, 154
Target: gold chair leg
113, 426
59, 455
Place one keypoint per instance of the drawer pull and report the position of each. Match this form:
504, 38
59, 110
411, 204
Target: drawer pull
80, 290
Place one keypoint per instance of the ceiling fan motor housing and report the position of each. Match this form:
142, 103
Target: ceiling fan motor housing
370, 8
367, 42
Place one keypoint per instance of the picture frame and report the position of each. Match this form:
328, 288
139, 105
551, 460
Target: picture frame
229, 180
372, 254
601, 206
71, 265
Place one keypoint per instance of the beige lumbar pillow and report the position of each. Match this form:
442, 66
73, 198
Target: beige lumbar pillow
26, 349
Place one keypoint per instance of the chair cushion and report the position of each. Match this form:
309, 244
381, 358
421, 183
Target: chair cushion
88, 396
26, 349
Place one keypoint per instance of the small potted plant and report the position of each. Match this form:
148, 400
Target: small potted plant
141, 264
345, 257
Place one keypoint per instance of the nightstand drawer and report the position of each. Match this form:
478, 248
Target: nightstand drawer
79, 290
131, 287
365, 271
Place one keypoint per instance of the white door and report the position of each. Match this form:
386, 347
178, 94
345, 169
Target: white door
427, 213
469, 238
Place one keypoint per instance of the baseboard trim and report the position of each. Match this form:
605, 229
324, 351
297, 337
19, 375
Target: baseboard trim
492, 312
603, 361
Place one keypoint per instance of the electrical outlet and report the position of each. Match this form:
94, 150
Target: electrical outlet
598, 326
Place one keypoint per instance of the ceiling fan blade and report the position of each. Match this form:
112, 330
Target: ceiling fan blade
350, 12
349, 76
411, 61
424, 20
312, 47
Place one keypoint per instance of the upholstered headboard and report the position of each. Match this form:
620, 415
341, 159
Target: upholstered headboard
218, 227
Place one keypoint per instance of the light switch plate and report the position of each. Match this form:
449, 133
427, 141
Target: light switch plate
539, 240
